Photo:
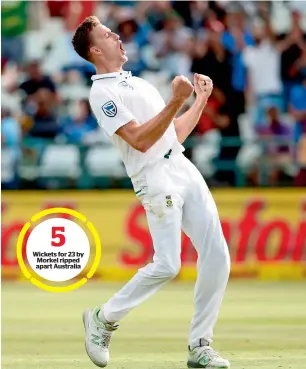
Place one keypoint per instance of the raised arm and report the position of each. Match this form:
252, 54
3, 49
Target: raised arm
143, 137
185, 124
280, 45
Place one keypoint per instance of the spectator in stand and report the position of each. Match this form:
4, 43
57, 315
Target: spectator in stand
40, 103
294, 46
10, 96
193, 12
263, 66
10, 131
236, 36
212, 59
75, 128
277, 148
14, 17
36, 80
134, 36
156, 12
170, 45
41, 112
297, 107
10, 139
298, 110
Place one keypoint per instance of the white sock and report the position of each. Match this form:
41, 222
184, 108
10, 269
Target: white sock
101, 316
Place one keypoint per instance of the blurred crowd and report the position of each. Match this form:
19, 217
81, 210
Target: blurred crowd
252, 132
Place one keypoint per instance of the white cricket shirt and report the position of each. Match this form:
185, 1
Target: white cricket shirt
116, 99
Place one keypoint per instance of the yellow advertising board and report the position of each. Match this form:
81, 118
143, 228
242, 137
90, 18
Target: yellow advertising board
265, 230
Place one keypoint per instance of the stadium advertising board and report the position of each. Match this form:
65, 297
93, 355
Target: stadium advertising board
265, 230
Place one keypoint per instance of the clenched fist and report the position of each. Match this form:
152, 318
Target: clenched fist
182, 88
203, 86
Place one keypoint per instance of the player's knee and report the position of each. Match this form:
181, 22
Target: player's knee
169, 271
173, 272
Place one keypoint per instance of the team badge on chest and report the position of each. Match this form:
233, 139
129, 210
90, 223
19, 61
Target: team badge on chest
169, 202
109, 109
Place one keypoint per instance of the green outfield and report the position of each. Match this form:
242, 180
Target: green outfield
261, 325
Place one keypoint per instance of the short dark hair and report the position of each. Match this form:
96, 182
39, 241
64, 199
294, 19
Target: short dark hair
81, 39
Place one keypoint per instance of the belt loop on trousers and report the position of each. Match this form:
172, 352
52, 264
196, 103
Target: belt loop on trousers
167, 156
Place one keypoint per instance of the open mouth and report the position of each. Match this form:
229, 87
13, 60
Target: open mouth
121, 48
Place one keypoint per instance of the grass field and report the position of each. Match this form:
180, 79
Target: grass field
261, 325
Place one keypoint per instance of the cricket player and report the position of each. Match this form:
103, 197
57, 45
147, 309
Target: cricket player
173, 193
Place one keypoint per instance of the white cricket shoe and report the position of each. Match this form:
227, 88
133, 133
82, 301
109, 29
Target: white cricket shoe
206, 357
98, 335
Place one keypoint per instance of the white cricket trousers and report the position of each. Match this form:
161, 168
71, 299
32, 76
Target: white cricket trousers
175, 196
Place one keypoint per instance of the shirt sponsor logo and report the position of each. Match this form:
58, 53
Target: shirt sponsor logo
125, 84
110, 109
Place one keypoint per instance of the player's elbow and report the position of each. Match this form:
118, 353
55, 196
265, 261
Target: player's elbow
135, 136
141, 146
